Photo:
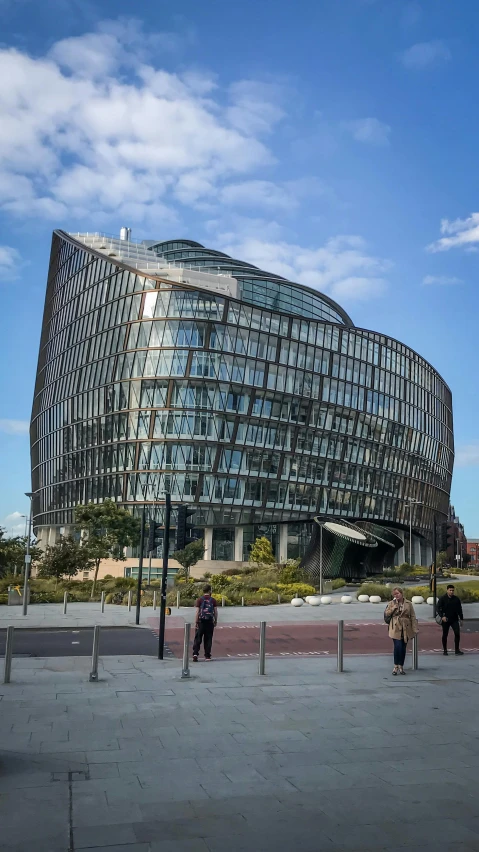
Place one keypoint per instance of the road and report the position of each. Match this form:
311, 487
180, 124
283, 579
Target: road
61, 642
230, 641
319, 639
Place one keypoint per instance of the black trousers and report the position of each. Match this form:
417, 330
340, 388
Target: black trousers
204, 633
445, 632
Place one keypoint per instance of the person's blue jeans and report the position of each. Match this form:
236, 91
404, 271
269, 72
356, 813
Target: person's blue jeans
400, 648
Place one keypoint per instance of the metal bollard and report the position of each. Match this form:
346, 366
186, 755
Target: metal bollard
279, 599
103, 601
95, 651
8, 655
415, 653
340, 645
222, 600
262, 647
130, 595
186, 651
242, 601
65, 603
177, 600
154, 599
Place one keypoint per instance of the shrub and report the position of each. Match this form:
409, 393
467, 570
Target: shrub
230, 572
219, 582
265, 598
383, 591
299, 590
262, 552
290, 572
338, 583
125, 583
3, 599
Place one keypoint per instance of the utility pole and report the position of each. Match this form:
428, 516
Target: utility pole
434, 568
164, 576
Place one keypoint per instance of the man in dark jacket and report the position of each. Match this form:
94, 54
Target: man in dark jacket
449, 607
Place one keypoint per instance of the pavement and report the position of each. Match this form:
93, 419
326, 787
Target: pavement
89, 614
303, 758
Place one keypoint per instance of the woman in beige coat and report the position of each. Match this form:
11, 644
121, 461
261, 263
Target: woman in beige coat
400, 616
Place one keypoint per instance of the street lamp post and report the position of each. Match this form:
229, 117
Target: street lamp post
410, 504
28, 557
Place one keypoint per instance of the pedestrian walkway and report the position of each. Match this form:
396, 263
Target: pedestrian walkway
304, 758
89, 614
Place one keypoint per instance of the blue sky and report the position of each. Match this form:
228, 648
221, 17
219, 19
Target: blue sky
332, 141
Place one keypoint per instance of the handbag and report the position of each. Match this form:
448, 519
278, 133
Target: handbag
439, 620
388, 616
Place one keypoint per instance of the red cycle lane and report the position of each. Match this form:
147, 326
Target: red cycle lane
308, 639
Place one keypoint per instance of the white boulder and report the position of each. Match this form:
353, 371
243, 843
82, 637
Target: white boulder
346, 599
363, 598
326, 599
430, 601
374, 599
314, 600
297, 602
417, 599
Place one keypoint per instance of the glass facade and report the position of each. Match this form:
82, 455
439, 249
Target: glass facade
256, 416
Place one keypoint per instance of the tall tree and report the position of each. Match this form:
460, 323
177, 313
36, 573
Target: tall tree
66, 558
190, 555
12, 554
107, 529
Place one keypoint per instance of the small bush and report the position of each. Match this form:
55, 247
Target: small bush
290, 572
292, 590
338, 583
125, 583
219, 582
384, 592
265, 598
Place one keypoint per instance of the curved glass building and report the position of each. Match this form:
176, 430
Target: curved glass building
167, 366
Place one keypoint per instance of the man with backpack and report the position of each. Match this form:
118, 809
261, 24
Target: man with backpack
206, 620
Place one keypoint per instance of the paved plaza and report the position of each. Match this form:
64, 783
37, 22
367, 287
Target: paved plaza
303, 758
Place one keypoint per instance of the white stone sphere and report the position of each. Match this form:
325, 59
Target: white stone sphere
430, 601
346, 599
374, 599
363, 598
314, 600
308, 598
417, 599
297, 602
326, 599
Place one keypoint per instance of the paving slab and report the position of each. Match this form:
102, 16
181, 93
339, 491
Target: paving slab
228, 759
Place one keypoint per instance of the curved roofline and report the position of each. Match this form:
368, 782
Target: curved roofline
117, 262
270, 275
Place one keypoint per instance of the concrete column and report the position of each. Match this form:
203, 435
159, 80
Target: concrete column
208, 540
399, 557
428, 555
283, 543
238, 544
416, 546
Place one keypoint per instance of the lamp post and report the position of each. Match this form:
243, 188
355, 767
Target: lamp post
410, 504
321, 584
28, 557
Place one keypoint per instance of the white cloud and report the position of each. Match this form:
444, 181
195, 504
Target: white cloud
468, 455
441, 280
14, 524
96, 125
425, 54
10, 262
258, 193
369, 130
461, 233
342, 268
14, 427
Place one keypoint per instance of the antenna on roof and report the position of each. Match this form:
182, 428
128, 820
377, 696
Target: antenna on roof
125, 234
